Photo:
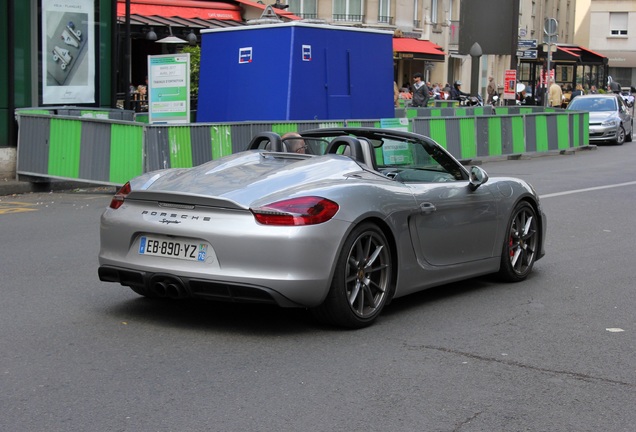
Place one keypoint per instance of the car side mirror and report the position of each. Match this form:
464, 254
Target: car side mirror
477, 177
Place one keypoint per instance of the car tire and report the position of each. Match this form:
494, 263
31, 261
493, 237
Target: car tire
362, 281
620, 136
521, 244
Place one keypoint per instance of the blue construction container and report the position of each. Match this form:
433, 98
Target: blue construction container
295, 71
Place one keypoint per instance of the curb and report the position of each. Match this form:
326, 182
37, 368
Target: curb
16, 187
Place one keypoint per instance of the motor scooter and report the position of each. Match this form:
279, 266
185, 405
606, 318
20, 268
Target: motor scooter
471, 100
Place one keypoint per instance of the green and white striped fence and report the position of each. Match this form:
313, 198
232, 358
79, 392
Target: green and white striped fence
103, 150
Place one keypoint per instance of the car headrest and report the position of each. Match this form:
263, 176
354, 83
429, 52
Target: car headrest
348, 143
269, 141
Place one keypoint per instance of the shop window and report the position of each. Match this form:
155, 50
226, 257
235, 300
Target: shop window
564, 74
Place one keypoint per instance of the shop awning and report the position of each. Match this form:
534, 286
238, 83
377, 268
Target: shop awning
418, 49
177, 22
183, 9
260, 6
577, 54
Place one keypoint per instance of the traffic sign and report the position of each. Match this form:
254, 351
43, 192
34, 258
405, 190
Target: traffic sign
527, 54
526, 43
550, 27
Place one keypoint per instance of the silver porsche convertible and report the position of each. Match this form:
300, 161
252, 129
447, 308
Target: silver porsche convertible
339, 221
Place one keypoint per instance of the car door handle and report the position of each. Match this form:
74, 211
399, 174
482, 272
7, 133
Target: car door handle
427, 208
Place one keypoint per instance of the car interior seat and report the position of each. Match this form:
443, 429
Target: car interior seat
347, 143
269, 141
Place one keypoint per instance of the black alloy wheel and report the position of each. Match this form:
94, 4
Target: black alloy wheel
521, 245
362, 281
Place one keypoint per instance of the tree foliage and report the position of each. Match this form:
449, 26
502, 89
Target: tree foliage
195, 61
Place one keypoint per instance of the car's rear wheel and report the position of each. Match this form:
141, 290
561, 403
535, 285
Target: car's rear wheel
362, 281
520, 245
620, 136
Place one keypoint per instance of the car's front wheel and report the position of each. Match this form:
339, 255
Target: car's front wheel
520, 245
620, 136
362, 280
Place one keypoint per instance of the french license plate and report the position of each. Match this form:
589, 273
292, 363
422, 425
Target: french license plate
173, 248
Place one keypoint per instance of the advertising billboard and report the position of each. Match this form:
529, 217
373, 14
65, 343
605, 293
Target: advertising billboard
169, 88
68, 52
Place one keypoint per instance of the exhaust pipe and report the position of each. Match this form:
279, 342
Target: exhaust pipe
168, 288
160, 289
174, 291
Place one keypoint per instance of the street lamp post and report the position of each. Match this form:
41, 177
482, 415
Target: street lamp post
127, 57
475, 54
550, 29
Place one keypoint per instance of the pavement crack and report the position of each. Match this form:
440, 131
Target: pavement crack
465, 422
575, 375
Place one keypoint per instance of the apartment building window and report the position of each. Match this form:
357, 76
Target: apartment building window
618, 23
347, 10
416, 14
434, 11
303, 8
384, 12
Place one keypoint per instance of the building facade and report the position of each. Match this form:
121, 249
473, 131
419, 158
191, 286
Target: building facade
438, 21
609, 28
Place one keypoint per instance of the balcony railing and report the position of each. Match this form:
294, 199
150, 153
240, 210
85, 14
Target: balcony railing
416, 24
307, 15
385, 19
348, 17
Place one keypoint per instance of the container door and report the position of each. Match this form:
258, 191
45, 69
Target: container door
338, 67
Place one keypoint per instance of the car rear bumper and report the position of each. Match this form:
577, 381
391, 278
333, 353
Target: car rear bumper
178, 287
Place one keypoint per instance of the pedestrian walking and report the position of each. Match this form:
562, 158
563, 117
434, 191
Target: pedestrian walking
420, 91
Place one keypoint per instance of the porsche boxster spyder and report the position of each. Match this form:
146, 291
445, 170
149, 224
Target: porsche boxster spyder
339, 221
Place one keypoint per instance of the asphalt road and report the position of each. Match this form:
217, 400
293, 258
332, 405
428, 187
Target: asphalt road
554, 353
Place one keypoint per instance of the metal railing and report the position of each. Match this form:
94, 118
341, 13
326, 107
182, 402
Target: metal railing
385, 19
307, 15
348, 17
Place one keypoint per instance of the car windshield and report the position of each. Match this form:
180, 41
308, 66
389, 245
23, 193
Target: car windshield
593, 104
418, 162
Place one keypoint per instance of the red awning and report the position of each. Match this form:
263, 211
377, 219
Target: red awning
575, 52
261, 5
182, 8
426, 49
578, 54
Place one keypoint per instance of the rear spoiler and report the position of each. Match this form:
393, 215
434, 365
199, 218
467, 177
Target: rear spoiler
183, 200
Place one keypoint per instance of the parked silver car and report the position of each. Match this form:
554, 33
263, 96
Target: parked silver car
628, 97
341, 224
610, 118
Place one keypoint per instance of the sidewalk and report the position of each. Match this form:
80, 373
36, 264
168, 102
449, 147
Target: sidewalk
16, 187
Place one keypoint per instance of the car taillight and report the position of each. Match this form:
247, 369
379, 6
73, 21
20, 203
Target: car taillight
309, 210
120, 196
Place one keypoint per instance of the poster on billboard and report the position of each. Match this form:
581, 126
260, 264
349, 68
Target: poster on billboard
68, 52
510, 86
169, 88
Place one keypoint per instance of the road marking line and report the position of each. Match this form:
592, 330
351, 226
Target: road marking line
556, 194
8, 207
